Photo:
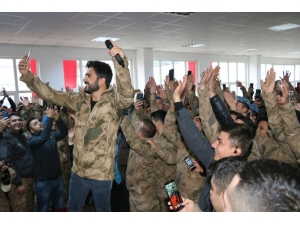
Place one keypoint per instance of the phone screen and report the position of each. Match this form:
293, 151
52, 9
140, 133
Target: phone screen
251, 85
174, 195
291, 96
189, 73
224, 86
4, 114
139, 97
189, 162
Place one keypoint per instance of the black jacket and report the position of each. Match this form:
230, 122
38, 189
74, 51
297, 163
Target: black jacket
220, 110
44, 150
200, 146
19, 152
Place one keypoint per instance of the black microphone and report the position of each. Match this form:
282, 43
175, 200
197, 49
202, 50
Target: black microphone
117, 56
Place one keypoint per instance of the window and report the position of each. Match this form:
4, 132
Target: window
9, 79
230, 72
161, 69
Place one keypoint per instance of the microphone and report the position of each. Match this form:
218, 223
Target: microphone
117, 56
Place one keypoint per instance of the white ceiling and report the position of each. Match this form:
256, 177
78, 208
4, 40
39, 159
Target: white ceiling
221, 32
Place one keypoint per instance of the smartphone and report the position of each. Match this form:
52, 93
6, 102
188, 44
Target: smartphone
257, 92
4, 114
171, 74
224, 87
174, 195
189, 73
291, 96
140, 97
189, 163
251, 85
29, 52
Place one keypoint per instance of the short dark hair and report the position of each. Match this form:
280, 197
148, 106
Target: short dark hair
239, 136
223, 171
263, 118
235, 113
148, 129
14, 114
267, 185
28, 123
159, 115
248, 123
102, 70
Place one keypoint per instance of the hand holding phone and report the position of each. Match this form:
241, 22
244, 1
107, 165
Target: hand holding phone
189, 73
224, 87
28, 55
174, 195
189, 163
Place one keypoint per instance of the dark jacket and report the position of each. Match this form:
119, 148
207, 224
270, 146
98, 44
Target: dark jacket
220, 110
44, 150
20, 155
200, 146
122, 156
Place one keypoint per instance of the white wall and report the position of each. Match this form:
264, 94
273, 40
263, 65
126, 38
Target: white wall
51, 68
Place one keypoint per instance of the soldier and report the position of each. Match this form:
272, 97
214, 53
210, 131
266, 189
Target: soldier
139, 173
98, 115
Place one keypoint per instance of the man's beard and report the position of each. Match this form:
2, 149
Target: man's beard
92, 88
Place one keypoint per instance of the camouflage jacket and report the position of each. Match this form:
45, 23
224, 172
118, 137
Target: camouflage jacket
188, 182
280, 126
210, 124
96, 130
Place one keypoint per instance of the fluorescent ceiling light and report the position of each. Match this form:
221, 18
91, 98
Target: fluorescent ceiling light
284, 27
294, 53
193, 45
103, 39
251, 50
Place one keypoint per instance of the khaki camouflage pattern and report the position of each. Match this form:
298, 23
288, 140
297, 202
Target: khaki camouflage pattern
219, 91
96, 130
66, 118
147, 95
189, 183
139, 174
192, 99
278, 127
291, 128
65, 165
153, 105
210, 124
245, 93
292, 88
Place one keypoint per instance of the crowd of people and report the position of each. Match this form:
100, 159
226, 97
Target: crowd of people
107, 148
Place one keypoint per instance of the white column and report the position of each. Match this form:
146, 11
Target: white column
144, 59
254, 71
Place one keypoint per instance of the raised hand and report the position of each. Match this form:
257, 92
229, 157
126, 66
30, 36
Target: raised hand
115, 50
152, 85
71, 113
231, 101
25, 102
239, 84
269, 84
161, 92
286, 76
138, 105
3, 123
206, 76
24, 65
50, 112
180, 89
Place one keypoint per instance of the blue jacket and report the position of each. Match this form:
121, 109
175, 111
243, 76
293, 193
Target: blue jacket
198, 145
19, 153
44, 150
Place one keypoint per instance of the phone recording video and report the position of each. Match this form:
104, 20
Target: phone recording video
4, 114
291, 96
28, 55
174, 195
251, 85
224, 87
189, 73
189, 163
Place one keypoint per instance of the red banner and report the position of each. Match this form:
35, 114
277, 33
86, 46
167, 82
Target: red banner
70, 74
192, 67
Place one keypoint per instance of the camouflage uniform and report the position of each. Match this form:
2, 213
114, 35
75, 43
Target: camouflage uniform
280, 125
188, 182
96, 130
164, 165
139, 174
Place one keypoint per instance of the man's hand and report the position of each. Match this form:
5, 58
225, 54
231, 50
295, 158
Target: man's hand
71, 113
284, 99
25, 102
69, 90
231, 101
151, 142
21, 189
161, 92
56, 115
115, 50
179, 90
24, 65
3, 123
138, 105
239, 84
3, 166
189, 205
286, 76
4, 93
269, 84
152, 86
198, 169
206, 76
50, 112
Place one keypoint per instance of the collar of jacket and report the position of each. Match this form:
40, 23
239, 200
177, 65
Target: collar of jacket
9, 132
87, 97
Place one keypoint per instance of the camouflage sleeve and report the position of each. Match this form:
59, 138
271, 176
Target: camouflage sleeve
28, 113
169, 130
274, 119
170, 94
125, 89
134, 142
209, 122
167, 153
219, 91
136, 117
245, 93
46, 92
167, 103
147, 94
291, 128
192, 99
153, 105
66, 118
